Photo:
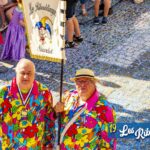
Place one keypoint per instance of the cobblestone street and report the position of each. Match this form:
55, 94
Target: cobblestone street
119, 53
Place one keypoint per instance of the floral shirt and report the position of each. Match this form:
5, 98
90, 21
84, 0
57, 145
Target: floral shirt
26, 126
90, 130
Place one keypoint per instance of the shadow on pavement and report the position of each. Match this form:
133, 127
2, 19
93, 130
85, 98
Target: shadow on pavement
109, 84
129, 116
139, 69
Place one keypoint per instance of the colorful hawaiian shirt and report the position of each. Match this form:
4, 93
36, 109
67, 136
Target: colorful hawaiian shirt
90, 130
26, 126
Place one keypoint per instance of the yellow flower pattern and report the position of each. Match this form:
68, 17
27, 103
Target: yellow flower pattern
86, 131
82, 141
24, 125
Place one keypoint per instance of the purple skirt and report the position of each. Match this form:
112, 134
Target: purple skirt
15, 42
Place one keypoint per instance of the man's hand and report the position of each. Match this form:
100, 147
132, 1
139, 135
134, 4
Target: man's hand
59, 107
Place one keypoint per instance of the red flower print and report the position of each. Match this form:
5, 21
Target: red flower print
47, 96
90, 122
98, 133
22, 148
104, 135
6, 106
72, 130
42, 115
63, 146
34, 104
5, 128
30, 131
13, 89
51, 124
105, 113
35, 89
48, 137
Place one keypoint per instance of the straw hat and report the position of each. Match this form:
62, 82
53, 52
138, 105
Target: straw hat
85, 73
138, 1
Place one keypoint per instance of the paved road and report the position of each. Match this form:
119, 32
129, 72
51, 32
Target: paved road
119, 53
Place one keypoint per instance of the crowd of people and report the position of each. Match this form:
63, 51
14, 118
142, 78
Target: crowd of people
12, 21
12, 9
73, 29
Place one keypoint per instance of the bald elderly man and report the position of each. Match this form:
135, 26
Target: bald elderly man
26, 113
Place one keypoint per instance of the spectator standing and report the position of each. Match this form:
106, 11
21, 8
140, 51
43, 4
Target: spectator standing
83, 8
107, 4
15, 42
73, 29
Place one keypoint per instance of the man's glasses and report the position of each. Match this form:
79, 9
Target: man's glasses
79, 82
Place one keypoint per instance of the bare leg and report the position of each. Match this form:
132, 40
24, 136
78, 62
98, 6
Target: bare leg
76, 26
70, 29
96, 7
107, 4
84, 12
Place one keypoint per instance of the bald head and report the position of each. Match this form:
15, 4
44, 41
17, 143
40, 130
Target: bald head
25, 73
25, 62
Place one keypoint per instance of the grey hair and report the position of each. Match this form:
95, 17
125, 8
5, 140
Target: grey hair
24, 61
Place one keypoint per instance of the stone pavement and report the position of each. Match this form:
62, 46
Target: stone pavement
119, 53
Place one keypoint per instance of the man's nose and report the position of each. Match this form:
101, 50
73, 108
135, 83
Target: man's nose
82, 84
26, 76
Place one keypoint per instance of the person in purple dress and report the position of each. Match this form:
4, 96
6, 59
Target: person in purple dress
15, 41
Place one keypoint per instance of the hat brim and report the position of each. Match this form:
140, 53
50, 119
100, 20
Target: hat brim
97, 79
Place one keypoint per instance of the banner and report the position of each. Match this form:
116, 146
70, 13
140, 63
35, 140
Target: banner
135, 130
45, 27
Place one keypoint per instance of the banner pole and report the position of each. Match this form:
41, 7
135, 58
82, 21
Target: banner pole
63, 21
59, 114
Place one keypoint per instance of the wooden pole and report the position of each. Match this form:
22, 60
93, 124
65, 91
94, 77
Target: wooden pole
59, 114
63, 11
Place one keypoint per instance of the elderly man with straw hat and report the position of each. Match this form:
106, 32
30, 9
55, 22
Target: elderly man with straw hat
87, 116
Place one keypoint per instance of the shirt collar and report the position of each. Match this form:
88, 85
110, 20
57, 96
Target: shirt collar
14, 89
92, 100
